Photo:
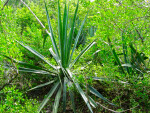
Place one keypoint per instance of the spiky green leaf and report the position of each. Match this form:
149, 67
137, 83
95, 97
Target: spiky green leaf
42, 85
95, 92
80, 91
50, 93
70, 38
77, 38
36, 53
64, 94
51, 33
82, 52
57, 99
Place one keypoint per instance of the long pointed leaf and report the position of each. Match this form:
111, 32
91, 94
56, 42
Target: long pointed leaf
42, 85
36, 53
50, 93
117, 60
57, 99
70, 38
81, 92
77, 38
115, 55
54, 56
95, 92
60, 32
28, 70
83, 96
51, 32
82, 52
23, 63
92, 102
29, 66
64, 40
125, 52
138, 55
64, 95
72, 99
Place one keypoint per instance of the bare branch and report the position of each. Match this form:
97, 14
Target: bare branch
116, 111
5, 4
17, 73
135, 19
36, 17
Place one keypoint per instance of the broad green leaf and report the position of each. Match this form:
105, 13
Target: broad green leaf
42, 85
57, 99
36, 53
50, 93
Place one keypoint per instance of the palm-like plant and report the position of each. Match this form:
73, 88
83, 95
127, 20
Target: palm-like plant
134, 63
61, 74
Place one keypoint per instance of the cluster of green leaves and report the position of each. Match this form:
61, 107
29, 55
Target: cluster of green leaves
13, 101
134, 64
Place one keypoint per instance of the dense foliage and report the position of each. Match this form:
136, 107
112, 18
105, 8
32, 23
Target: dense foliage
117, 63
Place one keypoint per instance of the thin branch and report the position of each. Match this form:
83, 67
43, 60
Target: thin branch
116, 111
138, 33
17, 73
5, 4
1, 88
136, 19
36, 17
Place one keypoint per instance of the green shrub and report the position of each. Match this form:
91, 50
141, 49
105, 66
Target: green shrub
13, 101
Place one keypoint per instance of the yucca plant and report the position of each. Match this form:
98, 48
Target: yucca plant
133, 62
62, 77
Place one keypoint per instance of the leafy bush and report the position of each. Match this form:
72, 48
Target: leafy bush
13, 101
